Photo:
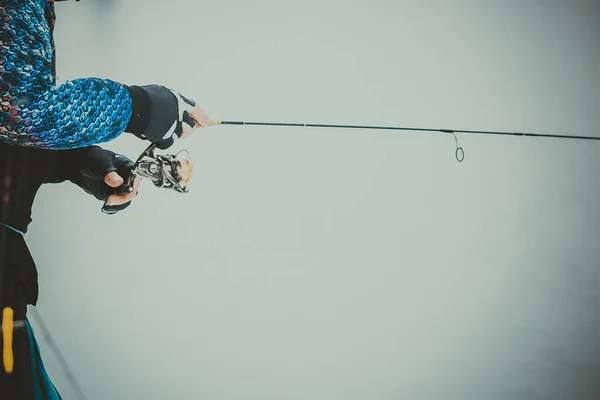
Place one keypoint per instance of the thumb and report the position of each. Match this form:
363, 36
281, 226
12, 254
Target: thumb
113, 179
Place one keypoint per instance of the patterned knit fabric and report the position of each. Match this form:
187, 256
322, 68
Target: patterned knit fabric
33, 110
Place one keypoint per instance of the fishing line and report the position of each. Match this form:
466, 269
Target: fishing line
64, 366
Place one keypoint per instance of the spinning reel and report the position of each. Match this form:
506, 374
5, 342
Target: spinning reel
168, 171
165, 171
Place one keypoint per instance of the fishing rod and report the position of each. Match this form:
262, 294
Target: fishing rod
459, 153
174, 171
398, 128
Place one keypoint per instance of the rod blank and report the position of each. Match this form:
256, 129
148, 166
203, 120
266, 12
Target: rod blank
398, 128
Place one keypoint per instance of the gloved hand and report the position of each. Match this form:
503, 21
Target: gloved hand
109, 177
162, 115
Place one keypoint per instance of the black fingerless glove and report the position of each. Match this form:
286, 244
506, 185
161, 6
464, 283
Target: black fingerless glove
97, 163
159, 114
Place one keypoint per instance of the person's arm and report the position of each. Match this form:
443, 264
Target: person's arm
92, 111
79, 113
98, 172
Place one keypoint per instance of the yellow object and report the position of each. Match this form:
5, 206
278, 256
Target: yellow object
7, 336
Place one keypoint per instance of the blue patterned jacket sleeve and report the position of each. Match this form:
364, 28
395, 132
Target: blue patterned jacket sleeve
33, 110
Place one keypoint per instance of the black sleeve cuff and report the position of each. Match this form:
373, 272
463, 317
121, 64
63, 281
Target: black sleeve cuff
140, 111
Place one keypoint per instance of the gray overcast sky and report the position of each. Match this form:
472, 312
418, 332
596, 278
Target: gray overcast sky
333, 264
